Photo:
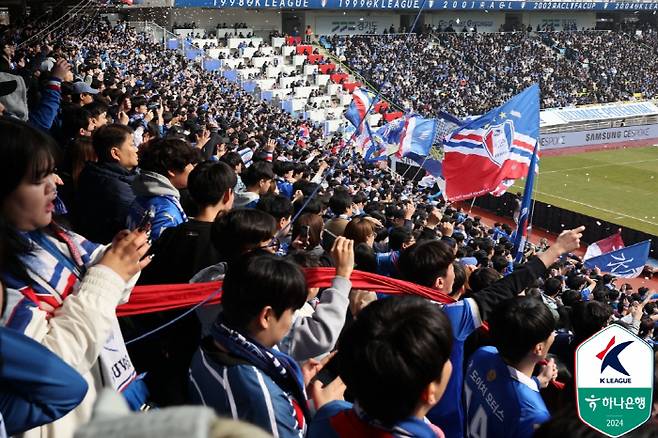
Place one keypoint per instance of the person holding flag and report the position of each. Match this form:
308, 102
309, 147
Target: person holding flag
362, 101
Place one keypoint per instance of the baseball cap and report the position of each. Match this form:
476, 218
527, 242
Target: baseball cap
8, 87
82, 87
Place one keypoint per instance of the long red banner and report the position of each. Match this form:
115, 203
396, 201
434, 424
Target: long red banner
158, 298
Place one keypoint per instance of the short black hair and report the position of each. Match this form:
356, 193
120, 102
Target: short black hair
499, 263
482, 278
209, 181
518, 324
244, 295
162, 155
96, 108
107, 137
138, 101
240, 231
278, 206
232, 159
424, 262
340, 202
552, 286
575, 282
397, 237
282, 167
460, 277
589, 317
256, 172
403, 341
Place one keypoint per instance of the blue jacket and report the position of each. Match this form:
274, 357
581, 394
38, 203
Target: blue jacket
104, 195
44, 115
237, 389
155, 192
32, 395
285, 188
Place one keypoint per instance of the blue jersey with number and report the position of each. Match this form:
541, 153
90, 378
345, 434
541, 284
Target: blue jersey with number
500, 400
448, 414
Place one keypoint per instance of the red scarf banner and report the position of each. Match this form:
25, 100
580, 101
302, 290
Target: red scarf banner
162, 297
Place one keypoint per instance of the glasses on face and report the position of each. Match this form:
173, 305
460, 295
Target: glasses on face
273, 245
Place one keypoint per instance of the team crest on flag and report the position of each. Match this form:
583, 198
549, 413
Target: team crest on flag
498, 141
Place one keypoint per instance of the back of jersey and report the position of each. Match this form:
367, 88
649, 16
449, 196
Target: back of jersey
500, 400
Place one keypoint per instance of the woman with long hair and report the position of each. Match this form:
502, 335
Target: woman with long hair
62, 290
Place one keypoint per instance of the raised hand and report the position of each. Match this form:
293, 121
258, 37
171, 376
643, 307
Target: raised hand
343, 254
126, 255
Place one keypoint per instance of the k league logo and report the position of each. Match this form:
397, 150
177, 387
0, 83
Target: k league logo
498, 141
614, 381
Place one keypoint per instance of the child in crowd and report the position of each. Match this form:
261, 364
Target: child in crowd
395, 360
502, 396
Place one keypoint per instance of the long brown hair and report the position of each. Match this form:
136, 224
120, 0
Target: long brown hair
80, 152
315, 227
359, 230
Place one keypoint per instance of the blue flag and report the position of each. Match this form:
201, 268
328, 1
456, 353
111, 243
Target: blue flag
486, 153
385, 140
626, 262
431, 158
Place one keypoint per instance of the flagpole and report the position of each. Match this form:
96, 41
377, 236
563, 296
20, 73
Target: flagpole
472, 204
421, 166
521, 230
532, 211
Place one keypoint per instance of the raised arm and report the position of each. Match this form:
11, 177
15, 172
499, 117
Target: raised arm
511, 285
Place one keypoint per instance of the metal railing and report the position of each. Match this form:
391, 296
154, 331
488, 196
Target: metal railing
157, 33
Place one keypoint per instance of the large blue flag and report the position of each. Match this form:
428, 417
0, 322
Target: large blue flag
431, 155
626, 262
489, 151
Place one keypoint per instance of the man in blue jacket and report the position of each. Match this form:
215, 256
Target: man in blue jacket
165, 165
236, 370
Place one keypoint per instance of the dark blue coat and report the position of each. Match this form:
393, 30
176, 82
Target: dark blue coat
103, 199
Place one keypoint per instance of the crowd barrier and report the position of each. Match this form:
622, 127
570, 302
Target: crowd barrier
556, 219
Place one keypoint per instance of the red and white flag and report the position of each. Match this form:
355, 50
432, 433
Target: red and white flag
604, 246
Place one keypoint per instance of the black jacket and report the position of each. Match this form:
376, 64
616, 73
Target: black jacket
181, 252
103, 199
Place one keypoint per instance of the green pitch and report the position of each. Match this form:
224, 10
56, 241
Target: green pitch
619, 186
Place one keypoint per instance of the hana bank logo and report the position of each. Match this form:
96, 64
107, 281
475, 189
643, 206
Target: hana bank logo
614, 381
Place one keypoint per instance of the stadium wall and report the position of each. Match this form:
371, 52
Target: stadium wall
255, 19
642, 135
350, 21
555, 220
356, 23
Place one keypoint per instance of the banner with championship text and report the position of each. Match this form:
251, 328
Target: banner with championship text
416, 4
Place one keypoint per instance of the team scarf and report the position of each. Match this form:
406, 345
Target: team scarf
354, 423
54, 276
281, 368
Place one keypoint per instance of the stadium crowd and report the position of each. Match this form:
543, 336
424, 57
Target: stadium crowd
467, 73
123, 164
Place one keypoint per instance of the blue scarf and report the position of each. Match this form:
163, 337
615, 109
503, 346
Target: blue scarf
281, 368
